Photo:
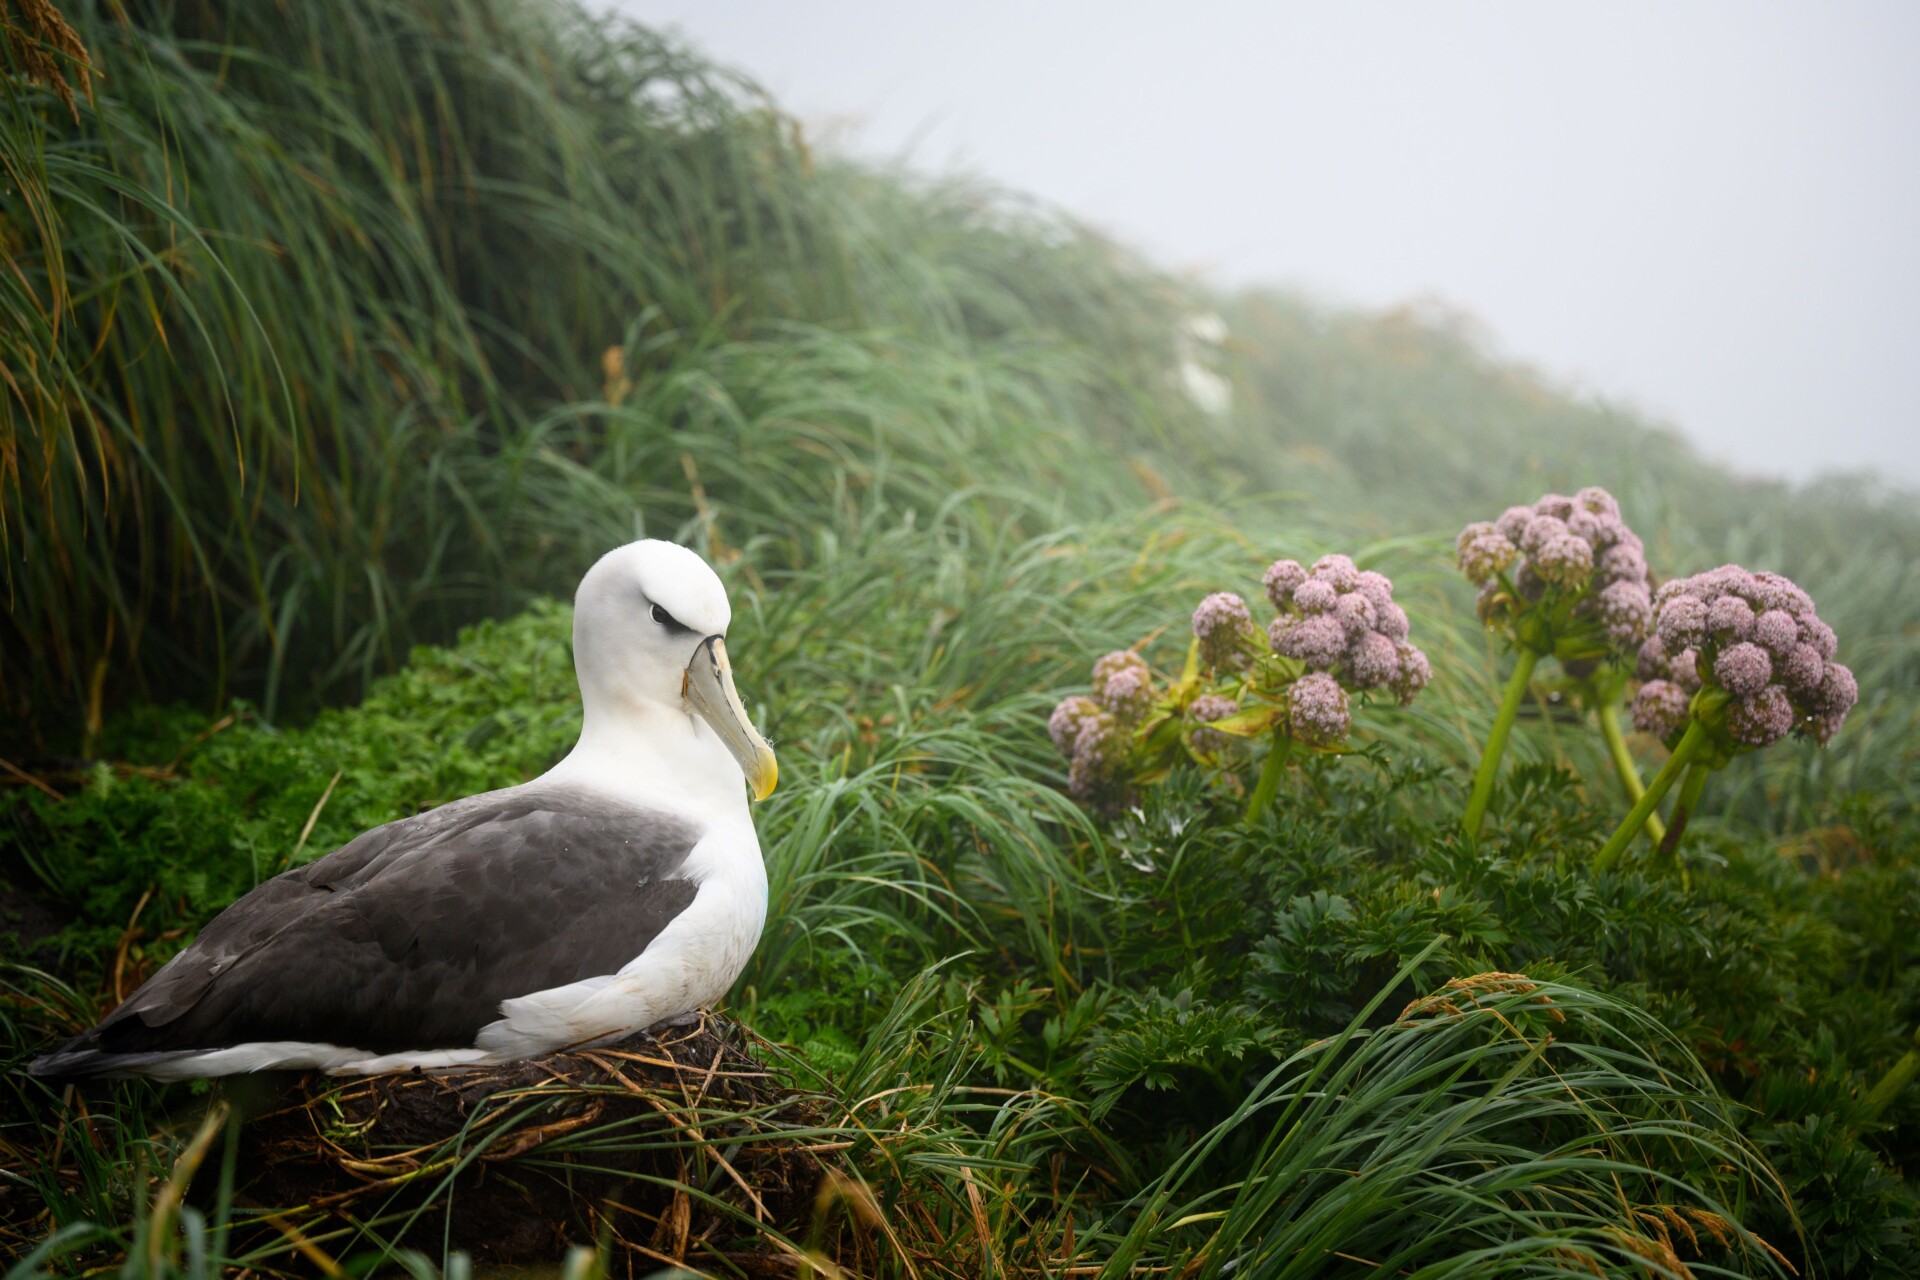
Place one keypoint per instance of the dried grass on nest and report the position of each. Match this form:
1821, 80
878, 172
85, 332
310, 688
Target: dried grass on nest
675, 1146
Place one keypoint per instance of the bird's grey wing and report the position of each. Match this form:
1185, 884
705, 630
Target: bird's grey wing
410, 936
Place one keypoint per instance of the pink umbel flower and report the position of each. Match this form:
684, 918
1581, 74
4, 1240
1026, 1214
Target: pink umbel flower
1802, 672
1337, 571
1777, 632
1120, 661
1763, 719
1317, 710
1378, 590
1224, 627
1341, 620
1063, 726
1128, 696
1374, 661
1743, 669
1729, 619
1414, 674
1756, 639
1513, 522
1660, 708
1207, 708
1099, 758
1356, 614
1483, 551
1123, 686
1626, 608
1336, 635
1534, 559
1565, 561
1598, 501
1319, 641
1281, 577
1624, 562
1542, 530
1315, 596
1682, 621
1563, 578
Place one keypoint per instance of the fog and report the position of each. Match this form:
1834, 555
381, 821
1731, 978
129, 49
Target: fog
1707, 211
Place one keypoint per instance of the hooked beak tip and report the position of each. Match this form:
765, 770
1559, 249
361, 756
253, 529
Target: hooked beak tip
768, 778
707, 686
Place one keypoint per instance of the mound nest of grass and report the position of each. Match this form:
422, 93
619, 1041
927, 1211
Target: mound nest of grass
671, 1145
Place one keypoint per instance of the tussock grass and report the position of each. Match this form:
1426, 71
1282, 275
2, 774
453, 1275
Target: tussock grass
1497, 1126
312, 309
1461, 1135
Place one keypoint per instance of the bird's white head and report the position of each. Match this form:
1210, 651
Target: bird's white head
649, 635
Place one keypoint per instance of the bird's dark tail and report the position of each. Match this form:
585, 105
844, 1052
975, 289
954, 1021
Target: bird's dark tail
78, 1059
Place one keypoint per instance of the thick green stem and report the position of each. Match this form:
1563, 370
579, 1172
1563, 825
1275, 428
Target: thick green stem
1624, 766
1270, 773
1497, 740
1683, 807
1691, 743
1898, 1077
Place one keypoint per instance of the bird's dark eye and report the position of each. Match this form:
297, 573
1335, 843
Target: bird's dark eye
666, 619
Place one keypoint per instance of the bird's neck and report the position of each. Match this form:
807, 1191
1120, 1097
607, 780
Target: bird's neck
654, 754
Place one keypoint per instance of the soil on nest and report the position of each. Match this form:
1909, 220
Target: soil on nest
669, 1145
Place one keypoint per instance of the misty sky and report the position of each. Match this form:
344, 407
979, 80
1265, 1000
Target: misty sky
1708, 210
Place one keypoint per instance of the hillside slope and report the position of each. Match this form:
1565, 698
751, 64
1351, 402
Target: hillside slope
345, 326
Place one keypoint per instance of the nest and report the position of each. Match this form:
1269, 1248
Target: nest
667, 1147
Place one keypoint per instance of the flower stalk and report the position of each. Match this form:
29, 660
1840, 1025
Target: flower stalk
1693, 743
1623, 765
1270, 774
1483, 778
1737, 662
1563, 578
1690, 789
1898, 1077
1337, 642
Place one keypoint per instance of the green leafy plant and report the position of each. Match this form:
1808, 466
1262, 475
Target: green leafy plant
1337, 633
1564, 578
1747, 662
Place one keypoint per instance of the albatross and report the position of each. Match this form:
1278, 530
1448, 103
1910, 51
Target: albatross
621, 888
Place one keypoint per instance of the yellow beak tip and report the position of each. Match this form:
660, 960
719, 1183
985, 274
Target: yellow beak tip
766, 781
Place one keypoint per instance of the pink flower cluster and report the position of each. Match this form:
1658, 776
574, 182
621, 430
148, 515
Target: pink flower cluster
1096, 733
1341, 621
1576, 545
1317, 710
1754, 635
1224, 627
1207, 708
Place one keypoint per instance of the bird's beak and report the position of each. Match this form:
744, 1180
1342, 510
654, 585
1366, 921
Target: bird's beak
708, 689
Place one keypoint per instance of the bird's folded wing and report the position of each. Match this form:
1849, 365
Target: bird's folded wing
410, 936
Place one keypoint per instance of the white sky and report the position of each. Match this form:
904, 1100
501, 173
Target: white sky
1708, 209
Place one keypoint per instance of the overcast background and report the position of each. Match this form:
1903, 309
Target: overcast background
1707, 210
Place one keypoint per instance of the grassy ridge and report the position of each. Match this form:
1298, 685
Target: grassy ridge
310, 309
345, 326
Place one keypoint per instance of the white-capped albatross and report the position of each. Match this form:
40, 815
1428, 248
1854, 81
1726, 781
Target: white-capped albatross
622, 887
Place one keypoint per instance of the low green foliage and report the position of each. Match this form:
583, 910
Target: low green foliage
1142, 976
254, 801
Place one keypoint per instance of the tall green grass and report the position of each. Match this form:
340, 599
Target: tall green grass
333, 327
